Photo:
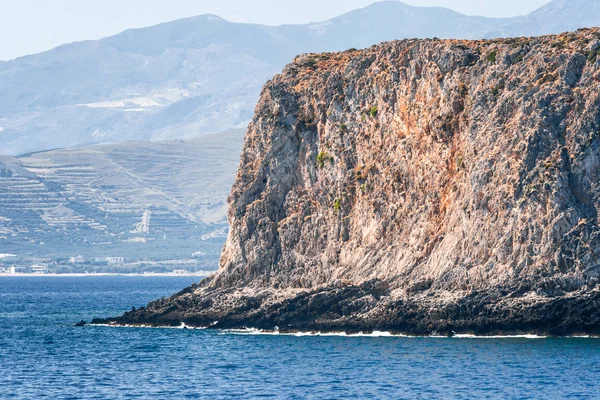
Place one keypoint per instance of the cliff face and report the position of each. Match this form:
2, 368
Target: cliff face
416, 186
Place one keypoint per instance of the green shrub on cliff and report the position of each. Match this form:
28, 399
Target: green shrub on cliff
337, 205
498, 88
492, 56
374, 111
322, 157
519, 58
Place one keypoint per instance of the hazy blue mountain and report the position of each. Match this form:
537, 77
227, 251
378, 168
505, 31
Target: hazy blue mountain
119, 90
163, 200
203, 75
555, 17
180, 79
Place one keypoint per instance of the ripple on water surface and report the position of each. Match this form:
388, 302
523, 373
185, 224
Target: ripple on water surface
43, 356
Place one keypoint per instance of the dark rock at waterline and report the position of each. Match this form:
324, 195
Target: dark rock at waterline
81, 323
358, 309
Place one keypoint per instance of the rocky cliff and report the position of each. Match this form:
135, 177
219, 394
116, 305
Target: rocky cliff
417, 186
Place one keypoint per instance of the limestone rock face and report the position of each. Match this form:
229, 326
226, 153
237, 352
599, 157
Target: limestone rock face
416, 186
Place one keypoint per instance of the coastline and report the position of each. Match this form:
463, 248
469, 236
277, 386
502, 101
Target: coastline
373, 334
368, 309
83, 275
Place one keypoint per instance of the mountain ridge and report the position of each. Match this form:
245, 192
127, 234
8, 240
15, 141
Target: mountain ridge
194, 76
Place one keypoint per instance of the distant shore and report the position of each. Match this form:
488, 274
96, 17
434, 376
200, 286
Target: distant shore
76, 275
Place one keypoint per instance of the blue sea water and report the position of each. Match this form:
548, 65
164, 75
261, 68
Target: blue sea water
42, 356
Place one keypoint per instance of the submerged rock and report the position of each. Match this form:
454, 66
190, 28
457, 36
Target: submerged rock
416, 186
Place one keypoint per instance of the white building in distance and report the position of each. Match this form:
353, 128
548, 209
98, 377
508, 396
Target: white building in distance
77, 260
115, 260
39, 269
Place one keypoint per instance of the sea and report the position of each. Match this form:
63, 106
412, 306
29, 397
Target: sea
43, 356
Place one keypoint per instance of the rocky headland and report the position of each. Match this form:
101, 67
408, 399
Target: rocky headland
416, 186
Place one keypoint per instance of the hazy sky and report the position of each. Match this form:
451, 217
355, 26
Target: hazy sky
31, 26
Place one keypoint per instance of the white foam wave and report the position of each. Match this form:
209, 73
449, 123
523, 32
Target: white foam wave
182, 326
252, 331
467, 336
379, 334
374, 334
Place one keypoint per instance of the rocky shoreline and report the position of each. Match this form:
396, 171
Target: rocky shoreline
415, 187
366, 309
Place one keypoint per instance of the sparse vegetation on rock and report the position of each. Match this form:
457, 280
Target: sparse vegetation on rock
337, 205
322, 157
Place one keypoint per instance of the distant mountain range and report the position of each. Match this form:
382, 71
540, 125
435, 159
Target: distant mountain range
160, 201
203, 75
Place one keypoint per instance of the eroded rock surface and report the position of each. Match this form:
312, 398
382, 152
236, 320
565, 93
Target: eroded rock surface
416, 186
